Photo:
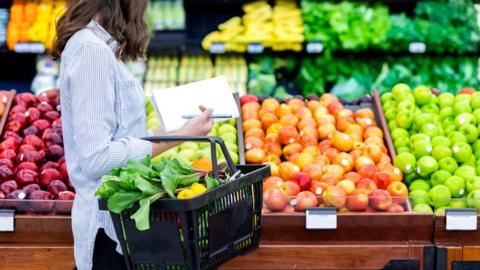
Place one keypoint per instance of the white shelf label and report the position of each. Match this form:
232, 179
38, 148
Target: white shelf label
255, 48
7, 221
314, 47
29, 48
217, 47
321, 218
461, 219
417, 47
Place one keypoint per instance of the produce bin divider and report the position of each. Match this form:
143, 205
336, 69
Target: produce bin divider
10, 96
383, 124
240, 137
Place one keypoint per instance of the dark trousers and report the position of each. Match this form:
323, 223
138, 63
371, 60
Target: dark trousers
105, 257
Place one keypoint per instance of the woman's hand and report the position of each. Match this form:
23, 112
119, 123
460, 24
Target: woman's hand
198, 126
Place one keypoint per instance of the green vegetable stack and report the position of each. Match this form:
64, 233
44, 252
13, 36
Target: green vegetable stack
145, 182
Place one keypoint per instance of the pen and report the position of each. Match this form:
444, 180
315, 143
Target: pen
216, 116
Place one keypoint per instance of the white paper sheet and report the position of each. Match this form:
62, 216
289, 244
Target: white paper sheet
173, 103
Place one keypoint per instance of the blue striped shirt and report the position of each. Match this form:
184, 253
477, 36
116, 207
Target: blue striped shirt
103, 115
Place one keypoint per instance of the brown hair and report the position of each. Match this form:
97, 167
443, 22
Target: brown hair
123, 19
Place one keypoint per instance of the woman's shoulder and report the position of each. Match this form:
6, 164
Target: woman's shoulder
84, 39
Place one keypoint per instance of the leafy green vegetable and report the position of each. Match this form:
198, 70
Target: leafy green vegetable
122, 200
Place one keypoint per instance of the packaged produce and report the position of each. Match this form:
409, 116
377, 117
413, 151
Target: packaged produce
321, 154
436, 141
166, 15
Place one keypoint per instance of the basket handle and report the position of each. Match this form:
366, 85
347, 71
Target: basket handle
213, 140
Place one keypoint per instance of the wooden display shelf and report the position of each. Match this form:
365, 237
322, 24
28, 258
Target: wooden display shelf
456, 250
38, 242
361, 241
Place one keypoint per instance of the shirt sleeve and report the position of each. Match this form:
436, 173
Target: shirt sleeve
91, 84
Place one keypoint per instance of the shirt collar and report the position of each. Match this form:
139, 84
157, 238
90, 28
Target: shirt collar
102, 34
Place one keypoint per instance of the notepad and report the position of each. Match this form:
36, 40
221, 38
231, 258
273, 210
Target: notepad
173, 103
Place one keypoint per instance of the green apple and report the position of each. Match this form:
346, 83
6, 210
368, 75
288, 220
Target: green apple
421, 149
476, 115
466, 172
473, 184
212, 133
475, 101
187, 154
202, 153
391, 104
232, 122
406, 106
440, 152
431, 130
402, 141
440, 196
473, 199
439, 177
172, 152
446, 112
398, 133
448, 164
456, 137
404, 119
463, 98
465, 118
405, 162
447, 122
231, 147
458, 203
440, 141
446, 100
470, 132
189, 145
461, 107
422, 95
430, 108
390, 114
440, 211
419, 184
462, 152
226, 128
426, 166
403, 149
449, 129
229, 137
392, 125
434, 99
408, 178
476, 146
422, 208
472, 162
419, 196
400, 89
234, 157
423, 119
456, 185
387, 96
420, 137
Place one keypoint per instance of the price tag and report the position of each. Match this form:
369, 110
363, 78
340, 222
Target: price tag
314, 47
461, 219
217, 47
30, 48
417, 47
7, 220
255, 47
321, 218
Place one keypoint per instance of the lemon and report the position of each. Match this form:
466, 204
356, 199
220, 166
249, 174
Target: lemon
198, 188
186, 194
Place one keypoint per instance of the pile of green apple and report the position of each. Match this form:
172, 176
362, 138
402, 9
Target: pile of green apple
436, 138
191, 151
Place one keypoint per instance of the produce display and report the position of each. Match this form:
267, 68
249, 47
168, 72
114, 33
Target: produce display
321, 154
355, 26
168, 71
3, 26
166, 15
33, 21
436, 138
32, 164
47, 74
146, 182
279, 28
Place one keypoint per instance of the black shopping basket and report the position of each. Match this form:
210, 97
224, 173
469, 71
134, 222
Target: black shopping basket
198, 233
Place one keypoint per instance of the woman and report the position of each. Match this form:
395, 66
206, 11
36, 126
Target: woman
103, 112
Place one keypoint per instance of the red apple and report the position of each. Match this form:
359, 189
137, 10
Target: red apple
380, 200
334, 196
274, 199
396, 208
305, 199
303, 180
290, 188
398, 191
367, 184
357, 200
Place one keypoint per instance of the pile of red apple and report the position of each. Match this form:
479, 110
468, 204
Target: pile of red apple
32, 164
321, 154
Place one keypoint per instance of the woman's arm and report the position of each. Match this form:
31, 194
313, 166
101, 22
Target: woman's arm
91, 88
